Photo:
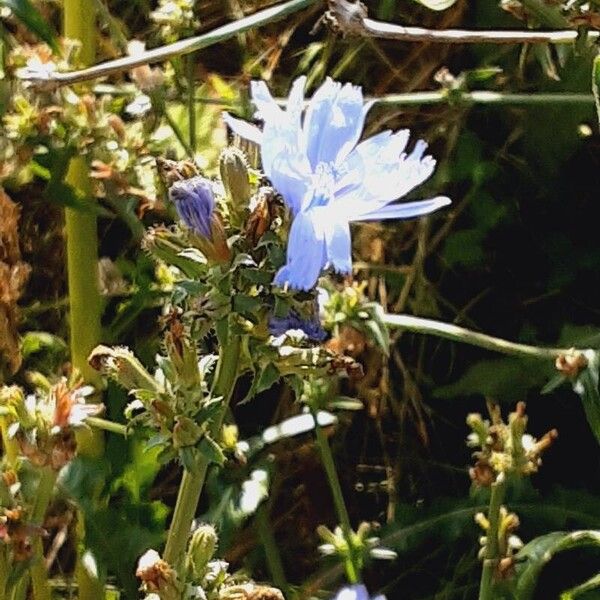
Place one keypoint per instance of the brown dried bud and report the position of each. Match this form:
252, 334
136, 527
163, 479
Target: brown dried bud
264, 209
506, 567
545, 442
482, 474
157, 575
571, 363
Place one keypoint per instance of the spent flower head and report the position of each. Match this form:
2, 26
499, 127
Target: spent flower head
327, 178
504, 447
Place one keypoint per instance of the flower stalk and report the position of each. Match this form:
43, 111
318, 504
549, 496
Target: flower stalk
190, 65
352, 562
82, 260
269, 543
192, 483
491, 550
474, 338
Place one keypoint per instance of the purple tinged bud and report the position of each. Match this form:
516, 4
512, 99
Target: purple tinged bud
195, 203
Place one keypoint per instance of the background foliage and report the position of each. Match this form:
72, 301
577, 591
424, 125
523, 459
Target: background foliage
515, 256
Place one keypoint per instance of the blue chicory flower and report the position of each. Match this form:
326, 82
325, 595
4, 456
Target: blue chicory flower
311, 327
327, 178
355, 592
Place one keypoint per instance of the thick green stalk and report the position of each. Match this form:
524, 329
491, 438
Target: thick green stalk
192, 483
460, 334
4, 570
352, 563
491, 556
82, 265
269, 543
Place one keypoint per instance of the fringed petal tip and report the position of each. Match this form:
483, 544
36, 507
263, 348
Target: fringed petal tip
242, 128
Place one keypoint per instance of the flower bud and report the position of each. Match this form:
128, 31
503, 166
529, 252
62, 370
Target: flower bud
182, 354
185, 432
201, 549
195, 203
235, 176
123, 366
166, 245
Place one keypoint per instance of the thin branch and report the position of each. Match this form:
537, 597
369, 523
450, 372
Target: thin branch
179, 48
460, 334
351, 18
407, 99
483, 97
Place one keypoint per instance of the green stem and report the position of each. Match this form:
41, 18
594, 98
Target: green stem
10, 445
190, 65
269, 543
39, 575
82, 265
179, 134
491, 555
4, 570
107, 425
460, 334
192, 483
352, 563
182, 47
482, 97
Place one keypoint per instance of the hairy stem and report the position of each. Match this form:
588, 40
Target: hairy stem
107, 425
190, 65
491, 556
192, 483
351, 564
272, 555
460, 334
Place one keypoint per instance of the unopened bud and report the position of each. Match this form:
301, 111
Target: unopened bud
482, 521
185, 432
123, 366
233, 167
201, 549
182, 354
195, 203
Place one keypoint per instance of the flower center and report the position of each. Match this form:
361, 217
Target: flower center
323, 184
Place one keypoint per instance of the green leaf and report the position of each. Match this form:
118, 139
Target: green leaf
596, 83
538, 553
38, 341
504, 379
211, 450
587, 388
591, 584
33, 20
437, 5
